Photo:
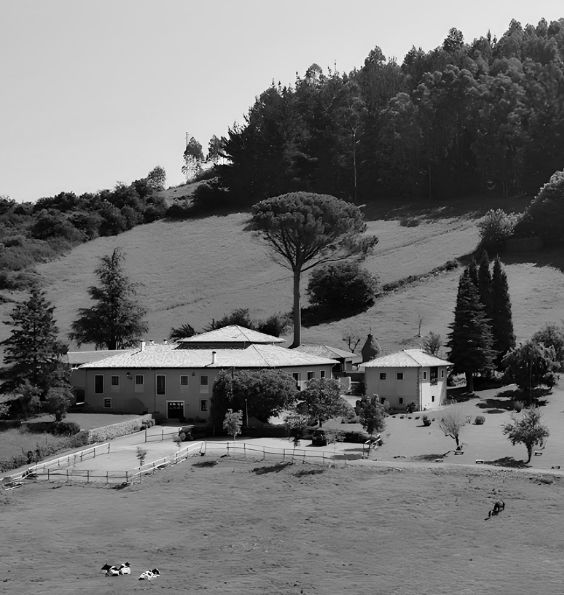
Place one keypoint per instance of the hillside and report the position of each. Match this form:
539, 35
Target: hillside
195, 270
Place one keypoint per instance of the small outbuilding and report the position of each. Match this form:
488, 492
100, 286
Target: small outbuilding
407, 377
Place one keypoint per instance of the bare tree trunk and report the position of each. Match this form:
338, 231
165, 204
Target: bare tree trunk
297, 311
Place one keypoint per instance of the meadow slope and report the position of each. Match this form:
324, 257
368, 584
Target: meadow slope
196, 270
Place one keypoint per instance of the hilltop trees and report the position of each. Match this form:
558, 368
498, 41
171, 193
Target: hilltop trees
32, 351
470, 340
115, 321
304, 230
193, 159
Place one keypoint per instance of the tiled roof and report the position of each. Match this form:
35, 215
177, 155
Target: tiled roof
328, 351
408, 358
232, 334
253, 356
76, 358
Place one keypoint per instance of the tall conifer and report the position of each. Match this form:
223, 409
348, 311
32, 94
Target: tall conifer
32, 351
485, 283
502, 320
470, 340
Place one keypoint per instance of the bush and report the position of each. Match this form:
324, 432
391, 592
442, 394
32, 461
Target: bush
342, 286
426, 421
496, 228
518, 406
544, 217
480, 420
355, 437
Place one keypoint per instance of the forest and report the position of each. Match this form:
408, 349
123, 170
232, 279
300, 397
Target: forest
459, 120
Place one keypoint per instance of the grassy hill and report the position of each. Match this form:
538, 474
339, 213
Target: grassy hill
195, 270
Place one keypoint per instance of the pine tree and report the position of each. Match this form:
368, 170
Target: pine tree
502, 321
116, 320
32, 351
470, 340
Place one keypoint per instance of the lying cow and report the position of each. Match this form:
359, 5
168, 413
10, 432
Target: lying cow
149, 575
116, 569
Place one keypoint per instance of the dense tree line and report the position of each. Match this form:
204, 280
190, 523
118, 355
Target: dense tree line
462, 118
33, 232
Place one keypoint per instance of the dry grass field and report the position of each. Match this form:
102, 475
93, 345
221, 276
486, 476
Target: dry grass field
241, 527
196, 270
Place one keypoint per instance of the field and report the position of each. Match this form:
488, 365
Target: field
242, 527
196, 270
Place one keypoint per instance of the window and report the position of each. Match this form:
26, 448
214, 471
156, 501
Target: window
204, 384
161, 385
139, 383
98, 384
203, 405
433, 399
424, 375
296, 376
310, 375
434, 375
107, 403
382, 375
115, 381
183, 381
399, 376
401, 400
322, 374
442, 373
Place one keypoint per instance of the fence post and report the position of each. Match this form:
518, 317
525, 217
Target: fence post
47, 473
87, 476
162, 434
127, 476
107, 477
145, 434
67, 475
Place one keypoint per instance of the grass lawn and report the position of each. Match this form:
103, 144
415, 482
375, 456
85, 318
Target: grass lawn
242, 527
89, 421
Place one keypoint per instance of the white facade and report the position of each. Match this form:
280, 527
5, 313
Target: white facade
409, 376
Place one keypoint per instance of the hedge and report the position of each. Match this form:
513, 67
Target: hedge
120, 429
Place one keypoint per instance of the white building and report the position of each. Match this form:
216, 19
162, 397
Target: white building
408, 376
175, 381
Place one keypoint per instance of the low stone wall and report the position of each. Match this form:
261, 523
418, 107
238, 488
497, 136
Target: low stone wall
120, 429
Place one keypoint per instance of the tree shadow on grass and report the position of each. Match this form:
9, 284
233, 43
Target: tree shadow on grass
508, 462
316, 315
305, 472
429, 457
495, 405
271, 469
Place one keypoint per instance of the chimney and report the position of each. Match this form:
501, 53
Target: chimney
142, 345
213, 358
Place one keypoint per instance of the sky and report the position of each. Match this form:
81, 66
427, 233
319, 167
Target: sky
100, 91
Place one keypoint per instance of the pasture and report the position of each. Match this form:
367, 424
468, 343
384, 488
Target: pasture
196, 270
239, 527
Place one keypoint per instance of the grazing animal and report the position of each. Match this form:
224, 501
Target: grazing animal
110, 570
149, 575
498, 506
125, 568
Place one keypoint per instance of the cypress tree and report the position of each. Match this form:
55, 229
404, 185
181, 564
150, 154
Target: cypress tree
502, 320
472, 269
485, 283
470, 340
32, 351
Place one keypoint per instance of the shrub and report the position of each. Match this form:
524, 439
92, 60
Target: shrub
496, 228
426, 421
342, 286
355, 437
480, 420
